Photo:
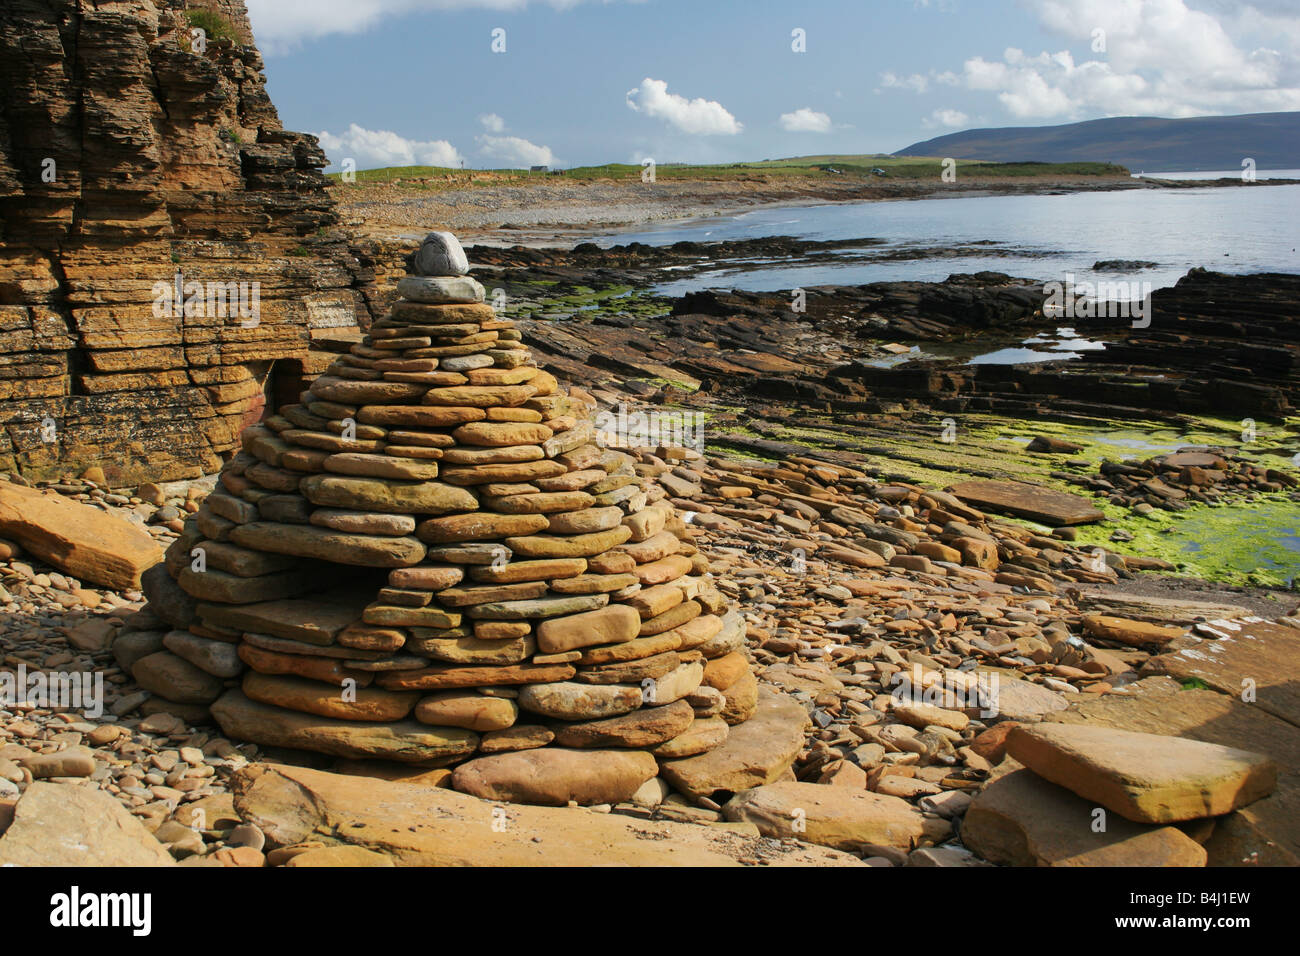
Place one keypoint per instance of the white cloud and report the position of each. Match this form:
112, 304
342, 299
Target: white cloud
701, 116
948, 118
805, 120
916, 82
280, 25
492, 123
372, 148
516, 152
1160, 57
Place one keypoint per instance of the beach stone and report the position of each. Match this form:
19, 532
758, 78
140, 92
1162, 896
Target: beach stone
447, 677
703, 734
352, 392
130, 646
314, 697
394, 616
542, 570
1147, 778
440, 290
517, 454
755, 752
373, 494
543, 607
586, 521
676, 684
407, 741
506, 473
298, 619
837, 817
381, 466
481, 396
656, 601
218, 658
553, 776
518, 737
568, 700
722, 672
427, 578
167, 599
469, 710
921, 715
440, 254
75, 762
362, 522
478, 526
614, 624
58, 825
467, 363
501, 434
473, 650
420, 313
595, 584
638, 649
1018, 700
309, 541
1020, 819
176, 679
324, 669
1125, 631
631, 672
418, 416
574, 546
640, 728
742, 699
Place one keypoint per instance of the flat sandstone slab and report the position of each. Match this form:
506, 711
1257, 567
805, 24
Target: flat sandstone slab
1022, 820
60, 825
1050, 507
1147, 778
88, 543
434, 826
1261, 652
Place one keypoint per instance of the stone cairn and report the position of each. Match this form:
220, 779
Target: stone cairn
429, 559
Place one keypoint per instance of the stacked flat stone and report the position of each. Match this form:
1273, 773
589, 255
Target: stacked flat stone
429, 559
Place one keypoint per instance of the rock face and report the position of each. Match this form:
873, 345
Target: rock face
136, 159
505, 605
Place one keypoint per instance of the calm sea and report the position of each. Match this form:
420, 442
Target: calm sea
1043, 237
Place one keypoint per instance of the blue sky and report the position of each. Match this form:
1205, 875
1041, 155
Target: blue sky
393, 82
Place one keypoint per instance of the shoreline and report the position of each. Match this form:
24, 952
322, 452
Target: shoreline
567, 212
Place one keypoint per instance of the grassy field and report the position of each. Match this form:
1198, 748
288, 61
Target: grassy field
804, 167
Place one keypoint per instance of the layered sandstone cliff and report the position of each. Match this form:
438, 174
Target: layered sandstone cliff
137, 158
